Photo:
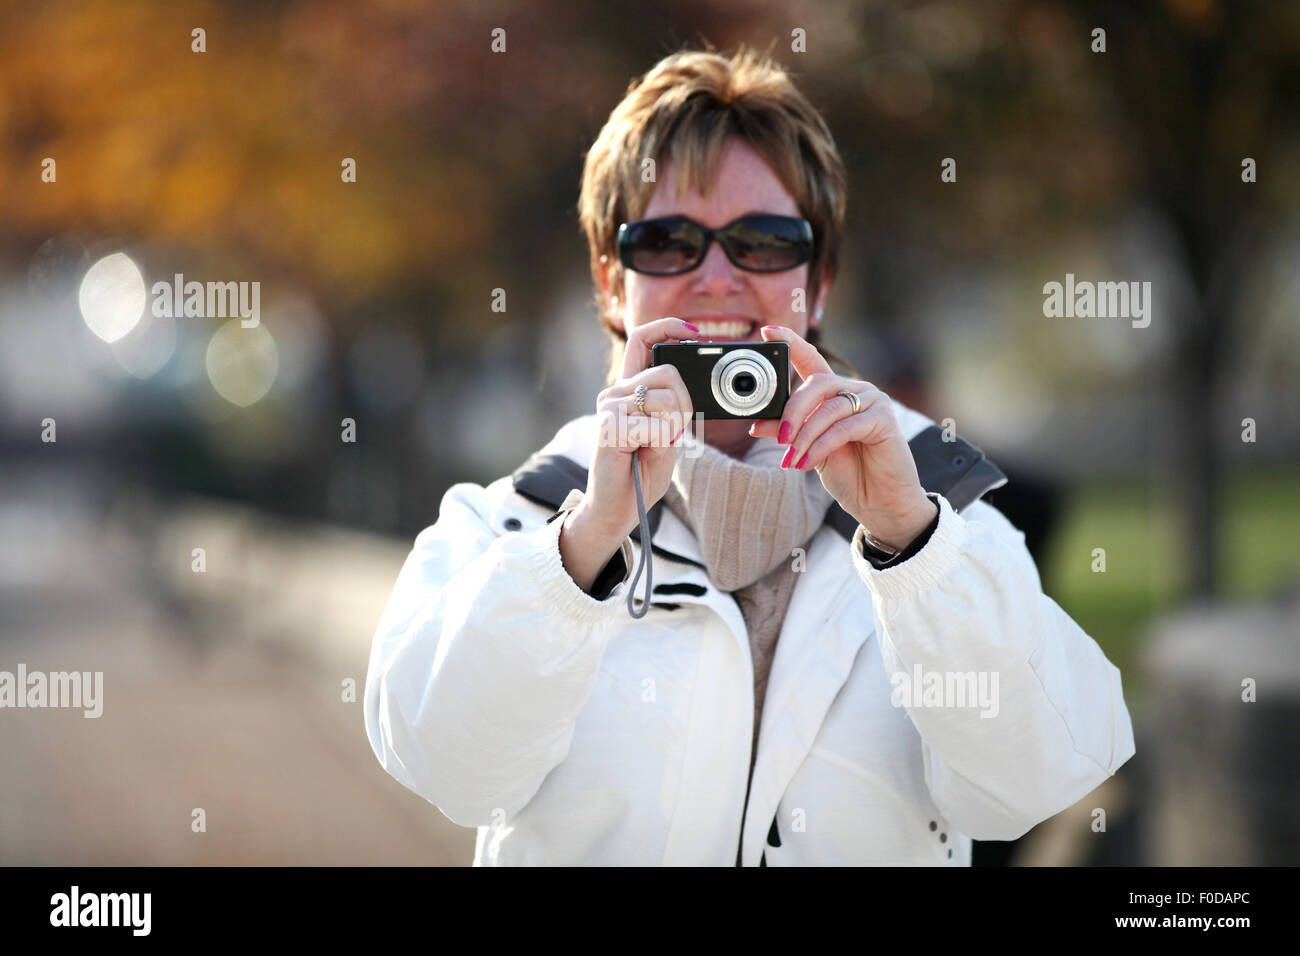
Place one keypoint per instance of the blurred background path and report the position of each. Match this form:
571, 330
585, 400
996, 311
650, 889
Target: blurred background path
222, 690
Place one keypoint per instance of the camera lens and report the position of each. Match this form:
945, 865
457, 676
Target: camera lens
743, 382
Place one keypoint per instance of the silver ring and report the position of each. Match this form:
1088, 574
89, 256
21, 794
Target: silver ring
638, 398
852, 397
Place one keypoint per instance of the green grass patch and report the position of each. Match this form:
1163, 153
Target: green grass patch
1147, 567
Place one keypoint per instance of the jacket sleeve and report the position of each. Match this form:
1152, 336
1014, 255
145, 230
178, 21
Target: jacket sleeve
485, 655
971, 601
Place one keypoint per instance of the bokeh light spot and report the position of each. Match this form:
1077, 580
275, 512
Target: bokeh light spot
242, 362
112, 297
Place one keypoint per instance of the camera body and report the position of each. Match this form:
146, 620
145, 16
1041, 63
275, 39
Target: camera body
730, 380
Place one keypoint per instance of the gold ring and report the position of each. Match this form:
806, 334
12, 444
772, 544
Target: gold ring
638, 398
852, 397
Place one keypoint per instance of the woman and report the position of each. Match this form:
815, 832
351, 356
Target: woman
842, 663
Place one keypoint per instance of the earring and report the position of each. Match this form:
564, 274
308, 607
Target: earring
817, 314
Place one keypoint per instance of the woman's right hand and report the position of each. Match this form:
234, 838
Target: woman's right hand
596, 528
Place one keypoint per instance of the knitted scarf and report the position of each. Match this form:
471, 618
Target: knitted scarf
747, 515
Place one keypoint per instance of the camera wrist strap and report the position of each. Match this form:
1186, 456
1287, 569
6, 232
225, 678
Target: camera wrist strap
647, 560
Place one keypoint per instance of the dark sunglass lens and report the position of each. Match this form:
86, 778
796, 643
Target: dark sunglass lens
768, 243
662, 246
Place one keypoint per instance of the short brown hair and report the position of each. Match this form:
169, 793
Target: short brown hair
683, 110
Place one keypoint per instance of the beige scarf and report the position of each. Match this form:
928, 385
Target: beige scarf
748, 517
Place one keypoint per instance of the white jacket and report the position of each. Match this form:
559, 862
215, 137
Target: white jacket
569, 733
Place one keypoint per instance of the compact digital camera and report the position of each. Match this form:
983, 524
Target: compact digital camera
730, 380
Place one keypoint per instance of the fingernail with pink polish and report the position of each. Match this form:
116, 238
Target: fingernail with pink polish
693, 328
774, 328
677, 436
789, 452
802, 461
783, 435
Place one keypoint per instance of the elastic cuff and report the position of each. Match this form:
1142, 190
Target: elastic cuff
558, 585
615, 572
925, 569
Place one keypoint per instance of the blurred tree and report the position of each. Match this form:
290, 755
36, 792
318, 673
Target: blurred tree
228, 161
1206, 84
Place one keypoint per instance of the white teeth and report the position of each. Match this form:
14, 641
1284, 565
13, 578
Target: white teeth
724, 330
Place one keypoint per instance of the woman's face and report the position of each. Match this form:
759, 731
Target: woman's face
726, 303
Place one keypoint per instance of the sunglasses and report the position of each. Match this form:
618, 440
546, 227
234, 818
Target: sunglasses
674, 244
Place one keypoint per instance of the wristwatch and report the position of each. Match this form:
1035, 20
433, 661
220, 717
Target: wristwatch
882, 556
877, 548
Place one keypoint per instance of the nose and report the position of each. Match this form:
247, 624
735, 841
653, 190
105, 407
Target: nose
716, 274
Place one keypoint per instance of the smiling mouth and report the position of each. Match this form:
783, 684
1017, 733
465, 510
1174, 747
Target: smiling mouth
735, 329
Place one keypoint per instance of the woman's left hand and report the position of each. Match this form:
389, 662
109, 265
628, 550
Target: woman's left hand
862, 459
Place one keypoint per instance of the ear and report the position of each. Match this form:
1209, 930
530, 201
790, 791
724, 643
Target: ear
611, 292
822, 294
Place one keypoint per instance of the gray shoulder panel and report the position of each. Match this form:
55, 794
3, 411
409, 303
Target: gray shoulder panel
955, 469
